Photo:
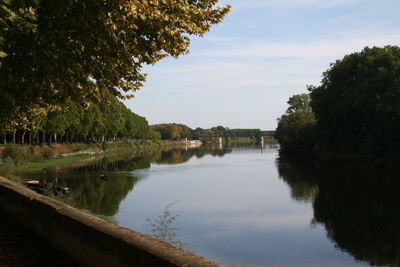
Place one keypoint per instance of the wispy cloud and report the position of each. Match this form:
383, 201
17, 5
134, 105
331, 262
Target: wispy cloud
247, 74
314, 49
314, 4
242, 73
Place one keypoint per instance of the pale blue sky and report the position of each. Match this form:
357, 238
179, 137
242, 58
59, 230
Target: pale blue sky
242, 72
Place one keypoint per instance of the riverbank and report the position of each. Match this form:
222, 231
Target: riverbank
35, 158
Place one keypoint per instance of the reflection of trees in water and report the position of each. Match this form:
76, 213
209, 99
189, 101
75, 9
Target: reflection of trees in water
103, 195
359, 207
100, 196
300, 179
183, 155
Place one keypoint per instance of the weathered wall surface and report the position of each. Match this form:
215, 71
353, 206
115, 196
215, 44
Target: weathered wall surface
88, 239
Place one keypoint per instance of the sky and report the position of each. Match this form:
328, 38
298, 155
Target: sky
242, 72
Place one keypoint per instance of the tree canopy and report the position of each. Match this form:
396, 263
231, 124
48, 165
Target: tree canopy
295, 128
71, 122
56, 51
356, 108
357, 105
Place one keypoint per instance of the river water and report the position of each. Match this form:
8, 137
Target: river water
246, 205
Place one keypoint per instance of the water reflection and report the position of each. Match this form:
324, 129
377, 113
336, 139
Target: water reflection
359, 207
100, 185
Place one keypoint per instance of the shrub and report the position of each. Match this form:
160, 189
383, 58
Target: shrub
14, 153
48, 153
37, 156
104, 146
7, 166
31, 150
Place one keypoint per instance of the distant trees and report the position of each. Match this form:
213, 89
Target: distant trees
356, 107
173, 130
178, 131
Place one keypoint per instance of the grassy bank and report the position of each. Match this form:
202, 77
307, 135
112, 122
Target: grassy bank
37, 166
36, 158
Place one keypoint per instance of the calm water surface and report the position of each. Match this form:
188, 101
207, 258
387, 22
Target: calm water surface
247, 205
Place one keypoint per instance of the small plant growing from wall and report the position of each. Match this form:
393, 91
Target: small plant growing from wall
162, 229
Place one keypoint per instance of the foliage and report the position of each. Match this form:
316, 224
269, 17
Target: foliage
356, 109
176, 131
161, 227
14, 153
48, 153
7, 166
37, 156
172, 130
56, 51
71, 122
296, 128
357, 105
299, 102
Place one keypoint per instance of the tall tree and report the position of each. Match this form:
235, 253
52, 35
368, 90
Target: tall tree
357, 104
53, 51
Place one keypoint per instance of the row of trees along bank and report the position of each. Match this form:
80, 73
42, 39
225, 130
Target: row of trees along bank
73, 123
177, 131
353, 114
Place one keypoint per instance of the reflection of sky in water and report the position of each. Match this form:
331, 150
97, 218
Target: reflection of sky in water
233, 209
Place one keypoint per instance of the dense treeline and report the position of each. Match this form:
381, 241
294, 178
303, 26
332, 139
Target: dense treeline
355, 112
74, 123
178, 131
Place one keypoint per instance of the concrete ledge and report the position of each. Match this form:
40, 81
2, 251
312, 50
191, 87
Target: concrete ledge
88, 239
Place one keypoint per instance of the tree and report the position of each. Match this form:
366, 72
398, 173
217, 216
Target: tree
296, 128
299, 102
357, 105
54, 51
168, 130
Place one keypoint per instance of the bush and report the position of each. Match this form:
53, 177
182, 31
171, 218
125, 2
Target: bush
14, 153
7, 166
37, 156
104, 146
31, 150
48, 153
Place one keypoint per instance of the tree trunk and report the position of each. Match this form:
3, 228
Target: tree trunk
30, 138
23, 137
43, 137
5, 139
55, 138
13, 137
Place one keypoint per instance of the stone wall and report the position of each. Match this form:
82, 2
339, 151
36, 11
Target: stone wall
88, 239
